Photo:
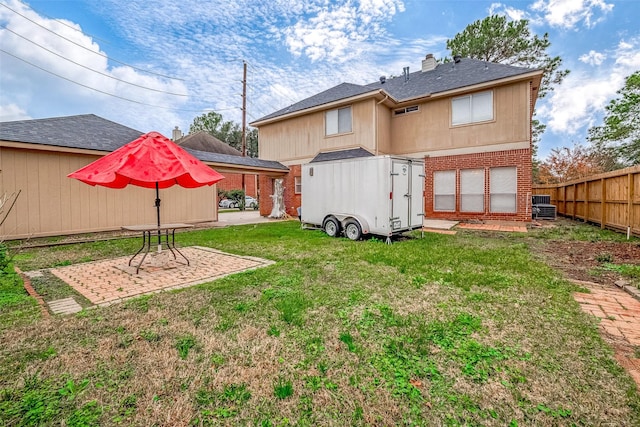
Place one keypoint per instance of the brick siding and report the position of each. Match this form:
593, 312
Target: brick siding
521, 159
233, 181
292, 201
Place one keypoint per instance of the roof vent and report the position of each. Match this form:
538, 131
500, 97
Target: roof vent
382, 79
428, 63
457, 58
405, 71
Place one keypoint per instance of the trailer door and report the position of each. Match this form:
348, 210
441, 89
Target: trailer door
400, 194
417, 194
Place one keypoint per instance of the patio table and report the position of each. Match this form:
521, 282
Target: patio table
161, 230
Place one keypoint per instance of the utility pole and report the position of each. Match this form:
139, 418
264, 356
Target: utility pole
244, 117
244, 109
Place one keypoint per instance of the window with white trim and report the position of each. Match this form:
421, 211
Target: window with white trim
472, 190
444, 190
474, 108
503, 188
338, 121
298, 184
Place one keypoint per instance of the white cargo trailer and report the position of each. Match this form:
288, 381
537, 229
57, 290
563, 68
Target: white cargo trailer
379, 195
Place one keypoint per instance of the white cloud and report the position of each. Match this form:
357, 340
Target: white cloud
52, 66
510, 12
583, 95
12, 112
593, 58
569, 13
337, 33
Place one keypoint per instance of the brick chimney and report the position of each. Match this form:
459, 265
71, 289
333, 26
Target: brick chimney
428, 63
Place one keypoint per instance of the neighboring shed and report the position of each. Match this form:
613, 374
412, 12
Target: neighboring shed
203, 141
37, 155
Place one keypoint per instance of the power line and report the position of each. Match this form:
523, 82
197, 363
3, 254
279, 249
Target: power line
86, 48
106, 93
91, 69
61, 22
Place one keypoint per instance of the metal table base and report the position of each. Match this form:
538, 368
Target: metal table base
162, 231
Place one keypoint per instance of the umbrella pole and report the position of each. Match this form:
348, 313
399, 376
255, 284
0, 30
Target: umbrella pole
158, 212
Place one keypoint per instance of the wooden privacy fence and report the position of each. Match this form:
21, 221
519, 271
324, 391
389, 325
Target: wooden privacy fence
610, 199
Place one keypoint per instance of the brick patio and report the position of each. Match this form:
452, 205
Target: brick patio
619, 315
110, 281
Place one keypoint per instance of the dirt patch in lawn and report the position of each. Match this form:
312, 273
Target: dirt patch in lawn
586, 261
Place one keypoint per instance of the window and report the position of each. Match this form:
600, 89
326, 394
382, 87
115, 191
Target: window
472, 108
298, 184
472, 190
444, 189
405, 110
503, 183
338, 121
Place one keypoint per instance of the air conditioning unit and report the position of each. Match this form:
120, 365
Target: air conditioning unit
541, 199
543, 211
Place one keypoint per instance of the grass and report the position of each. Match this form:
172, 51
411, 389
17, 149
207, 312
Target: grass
468, 329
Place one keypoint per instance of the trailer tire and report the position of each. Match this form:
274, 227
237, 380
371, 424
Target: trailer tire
352, 230
331, 226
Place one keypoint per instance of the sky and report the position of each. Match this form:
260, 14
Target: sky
153, 65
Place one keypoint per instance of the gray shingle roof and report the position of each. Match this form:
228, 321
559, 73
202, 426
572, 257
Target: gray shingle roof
90, 132
237, 160
203, 141
444, 77
343, 90
447, 76
87, 131
341, 155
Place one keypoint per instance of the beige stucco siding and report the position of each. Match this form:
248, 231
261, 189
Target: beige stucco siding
301, 138
430, 129
383, 117
52, 204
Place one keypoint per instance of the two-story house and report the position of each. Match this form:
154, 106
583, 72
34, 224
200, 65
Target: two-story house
469, 119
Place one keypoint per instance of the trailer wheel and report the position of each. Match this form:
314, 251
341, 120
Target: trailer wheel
352, 230
332, 227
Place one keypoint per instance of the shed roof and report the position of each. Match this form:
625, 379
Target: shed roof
86, 131
91, 132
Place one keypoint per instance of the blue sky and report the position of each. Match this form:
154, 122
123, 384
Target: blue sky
154, 65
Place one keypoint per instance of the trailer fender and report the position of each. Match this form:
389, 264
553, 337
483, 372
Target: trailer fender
364, 225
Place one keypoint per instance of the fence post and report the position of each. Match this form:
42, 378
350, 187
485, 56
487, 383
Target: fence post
575, 202
630, 204
603, 203
586, 201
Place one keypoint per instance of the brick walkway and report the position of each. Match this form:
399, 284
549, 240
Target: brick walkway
110, 281
511, 228
619, 315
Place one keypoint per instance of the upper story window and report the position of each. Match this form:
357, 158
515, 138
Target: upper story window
405, 110
477, 107
338, 121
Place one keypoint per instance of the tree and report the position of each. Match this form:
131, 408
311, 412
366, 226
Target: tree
620, 134
565, 164
226, 131
495, 39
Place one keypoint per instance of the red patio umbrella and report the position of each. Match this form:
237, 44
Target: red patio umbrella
150, 161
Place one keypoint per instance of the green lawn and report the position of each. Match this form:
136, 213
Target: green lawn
470, 329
